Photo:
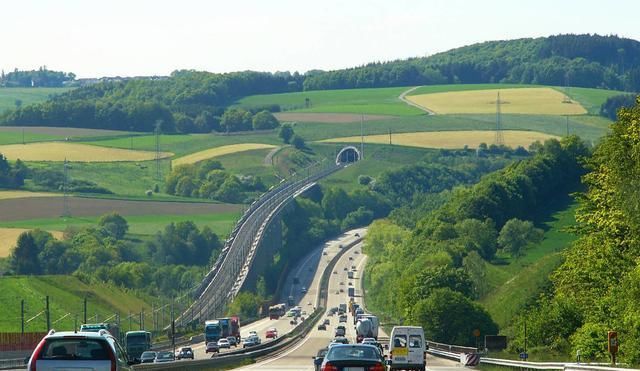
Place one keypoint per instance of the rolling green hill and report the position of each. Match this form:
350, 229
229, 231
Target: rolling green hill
66, 295
27, 96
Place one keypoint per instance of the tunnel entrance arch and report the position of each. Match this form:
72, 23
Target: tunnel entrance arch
347, 155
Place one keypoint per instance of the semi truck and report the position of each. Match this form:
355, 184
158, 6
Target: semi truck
219, 328
367, 326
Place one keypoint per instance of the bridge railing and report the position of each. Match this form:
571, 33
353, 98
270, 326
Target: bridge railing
231, 268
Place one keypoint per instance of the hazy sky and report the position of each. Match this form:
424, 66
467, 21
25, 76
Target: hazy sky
155, 37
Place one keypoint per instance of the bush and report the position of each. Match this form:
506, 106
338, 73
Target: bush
364, 179
298, 142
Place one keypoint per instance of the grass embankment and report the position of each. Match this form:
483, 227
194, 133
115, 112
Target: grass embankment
27, 96
381, 101
66, 295
515, 283
219, 151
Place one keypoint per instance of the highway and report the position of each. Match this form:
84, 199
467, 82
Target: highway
300, 356
309, 272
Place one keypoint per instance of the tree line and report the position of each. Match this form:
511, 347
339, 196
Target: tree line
41, 77
596, 290
193, 101
436, 268
172, 262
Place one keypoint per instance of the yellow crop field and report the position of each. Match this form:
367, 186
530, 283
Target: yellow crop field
75, 152
9, 237
218, 151
537, 101
450, 139
6, 195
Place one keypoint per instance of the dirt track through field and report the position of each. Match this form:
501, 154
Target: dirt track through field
52, 207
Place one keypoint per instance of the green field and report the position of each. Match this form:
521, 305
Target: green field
139, 225
66, 294
381, 101
590, 128
8, 96
13, 137
183, 144
514, 283
591, 99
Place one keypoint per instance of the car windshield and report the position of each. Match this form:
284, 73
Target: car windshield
136, 339
148, 355
164, 355
352, 352
79, 349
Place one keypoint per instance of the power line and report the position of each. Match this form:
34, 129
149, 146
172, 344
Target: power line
499, 135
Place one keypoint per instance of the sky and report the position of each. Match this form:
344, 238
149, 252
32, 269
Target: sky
94, 38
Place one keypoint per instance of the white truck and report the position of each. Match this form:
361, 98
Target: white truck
367, 326
407, 350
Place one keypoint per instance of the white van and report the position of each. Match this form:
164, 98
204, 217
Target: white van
407, 348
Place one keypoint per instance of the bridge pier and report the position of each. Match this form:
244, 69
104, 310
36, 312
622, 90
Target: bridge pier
269, 246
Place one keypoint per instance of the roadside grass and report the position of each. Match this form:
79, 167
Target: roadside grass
139, 225
516, 283
534, 101
377, 159
250, 163
183, 144
66, 295
370, 101
589, 128
8, 96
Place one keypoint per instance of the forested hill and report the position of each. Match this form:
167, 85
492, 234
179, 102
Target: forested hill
592, 61
192, 101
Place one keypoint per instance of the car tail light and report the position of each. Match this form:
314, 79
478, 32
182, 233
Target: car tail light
377, 367
329, 367
36, 355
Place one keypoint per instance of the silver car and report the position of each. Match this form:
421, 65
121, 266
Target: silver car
88, 351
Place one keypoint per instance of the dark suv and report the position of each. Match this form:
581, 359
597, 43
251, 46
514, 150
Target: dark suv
89, 351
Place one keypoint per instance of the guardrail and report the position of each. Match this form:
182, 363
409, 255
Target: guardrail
268, 348
228, 273
457, 353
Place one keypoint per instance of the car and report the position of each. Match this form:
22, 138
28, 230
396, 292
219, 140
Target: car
356, 252
327, 321
353, 268
148, 357
340, 331
164, 356
318, 358
272, 333
351, 258
345, 269
340, 246
357, 234
329, 314
224, 343
335, 272
293, 322
185, 352
250, 341
341, 283
212, 347
322, 327
353, 356
341, 290
232, 341
303, 290
374, 342
340, 340
343, 318
70, 350
350, 283
253, 333
324, 253
290, 314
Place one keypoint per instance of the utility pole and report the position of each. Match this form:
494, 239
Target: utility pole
361, 137
567, 117
158, 125
65, 200
22, 314
85, 310
47, 313
389, 136
499, 135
